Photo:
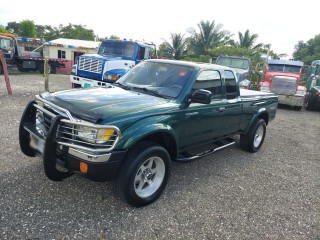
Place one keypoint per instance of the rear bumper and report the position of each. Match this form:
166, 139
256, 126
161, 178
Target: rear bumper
99, 166
296, 100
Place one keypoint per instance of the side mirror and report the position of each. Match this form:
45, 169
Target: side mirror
201, 96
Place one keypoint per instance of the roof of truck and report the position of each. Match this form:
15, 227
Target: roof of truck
285, 62
191, 64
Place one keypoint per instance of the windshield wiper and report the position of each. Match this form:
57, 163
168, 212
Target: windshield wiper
121, 85
152, 92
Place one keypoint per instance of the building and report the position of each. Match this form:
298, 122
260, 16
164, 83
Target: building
69, 49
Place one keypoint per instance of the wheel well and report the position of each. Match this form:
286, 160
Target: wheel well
166, 141
265, 117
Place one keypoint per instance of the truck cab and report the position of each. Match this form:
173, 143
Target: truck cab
8, 45
113, 59
313, 87
282, 77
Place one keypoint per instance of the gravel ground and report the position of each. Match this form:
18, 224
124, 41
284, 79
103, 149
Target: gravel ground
272, 194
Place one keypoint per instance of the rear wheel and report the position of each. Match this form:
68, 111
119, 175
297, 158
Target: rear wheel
253, 140
144, 175
51, 69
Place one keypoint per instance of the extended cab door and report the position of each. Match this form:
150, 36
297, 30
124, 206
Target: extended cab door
233, 107
206, 122
202, 122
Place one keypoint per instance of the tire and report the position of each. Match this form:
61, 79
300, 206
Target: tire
144, 174
253, 140
309, 104
297, 108
1, 68
51, 69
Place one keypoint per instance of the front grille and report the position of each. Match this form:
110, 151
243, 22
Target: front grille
90, 65
68, 130
284, 85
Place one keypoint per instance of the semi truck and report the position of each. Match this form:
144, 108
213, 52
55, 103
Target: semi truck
113, 59
283, 77
312, 100
24, 60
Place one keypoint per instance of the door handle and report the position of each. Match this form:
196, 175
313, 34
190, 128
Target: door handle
222, 109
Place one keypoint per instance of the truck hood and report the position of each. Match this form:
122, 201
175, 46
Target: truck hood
104, 104
270, 75
101, 57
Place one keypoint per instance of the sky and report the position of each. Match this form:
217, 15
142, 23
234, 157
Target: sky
281, 23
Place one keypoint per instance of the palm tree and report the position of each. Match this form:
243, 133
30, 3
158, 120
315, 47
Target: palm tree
247, 40
210, 35
176, 47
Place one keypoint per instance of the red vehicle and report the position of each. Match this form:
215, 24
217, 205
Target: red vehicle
276, 67
282, 77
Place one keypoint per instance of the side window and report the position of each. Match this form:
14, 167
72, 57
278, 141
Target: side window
61, 54
147, 53
231, 84
209, 80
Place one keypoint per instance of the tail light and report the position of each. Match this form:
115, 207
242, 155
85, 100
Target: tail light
317, 93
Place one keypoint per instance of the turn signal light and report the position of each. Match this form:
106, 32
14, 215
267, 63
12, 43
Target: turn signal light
83, 167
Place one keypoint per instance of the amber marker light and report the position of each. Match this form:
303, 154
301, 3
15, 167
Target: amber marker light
83, 167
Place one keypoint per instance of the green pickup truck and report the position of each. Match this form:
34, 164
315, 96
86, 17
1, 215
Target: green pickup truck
160, 111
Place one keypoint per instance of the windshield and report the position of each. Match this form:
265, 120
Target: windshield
154, 78
284, 68
5, 44
117, 49
233, 62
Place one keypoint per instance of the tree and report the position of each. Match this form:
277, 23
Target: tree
175, 48
114, 37
27, 29
309, 51
247, 40
77, 32
209, 36
13, 27
47, 32
3, 29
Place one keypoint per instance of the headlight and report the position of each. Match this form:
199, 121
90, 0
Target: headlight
94, 135
73, 70
110, 77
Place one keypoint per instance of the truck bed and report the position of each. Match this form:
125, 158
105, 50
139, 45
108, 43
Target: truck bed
244, 93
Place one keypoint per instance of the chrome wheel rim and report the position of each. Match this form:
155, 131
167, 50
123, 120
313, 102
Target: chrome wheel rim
149, 177
258, 136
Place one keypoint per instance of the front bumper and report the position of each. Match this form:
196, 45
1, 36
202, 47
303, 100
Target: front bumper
100, 166
86, 82
295, 101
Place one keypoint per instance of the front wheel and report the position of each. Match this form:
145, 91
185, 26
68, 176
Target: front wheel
144, 174
253, 140
309, 103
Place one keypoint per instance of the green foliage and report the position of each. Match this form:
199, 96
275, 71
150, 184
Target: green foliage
77, 32
3, 29
247, 40
209, 36
27, 28
175, 48
114, 37
309, 51
13, 27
